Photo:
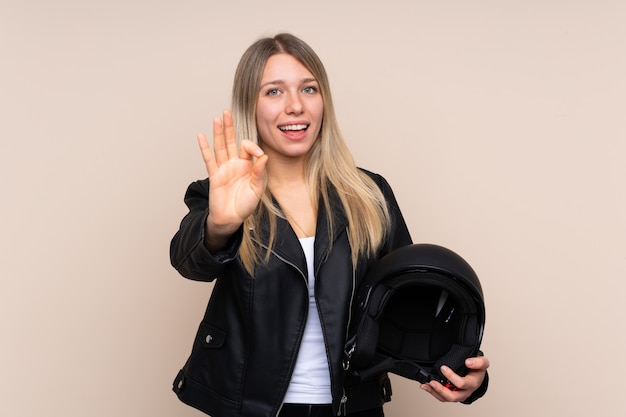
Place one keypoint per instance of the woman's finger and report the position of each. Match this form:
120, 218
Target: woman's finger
219, 142
429, 389
249, 149
229, 134
479, 363
207, 154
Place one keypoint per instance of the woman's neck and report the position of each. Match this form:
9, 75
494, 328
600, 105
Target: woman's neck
295, 201
281, 175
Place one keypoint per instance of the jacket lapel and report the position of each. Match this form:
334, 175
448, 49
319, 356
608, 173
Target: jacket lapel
323, 242
287, 245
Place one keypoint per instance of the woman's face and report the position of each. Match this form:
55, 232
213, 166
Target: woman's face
289, 108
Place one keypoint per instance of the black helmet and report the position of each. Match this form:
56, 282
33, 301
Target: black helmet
419, 307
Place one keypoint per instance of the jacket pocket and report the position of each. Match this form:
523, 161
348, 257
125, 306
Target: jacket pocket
210, 337
216, 362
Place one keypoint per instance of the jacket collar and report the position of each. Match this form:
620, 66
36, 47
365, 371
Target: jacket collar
287, 246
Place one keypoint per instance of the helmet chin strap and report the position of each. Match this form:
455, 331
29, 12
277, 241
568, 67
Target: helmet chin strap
454, 359
406, 369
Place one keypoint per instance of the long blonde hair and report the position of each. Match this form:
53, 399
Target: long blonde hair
329, 164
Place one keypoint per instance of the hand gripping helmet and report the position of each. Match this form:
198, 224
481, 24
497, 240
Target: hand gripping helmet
419, 307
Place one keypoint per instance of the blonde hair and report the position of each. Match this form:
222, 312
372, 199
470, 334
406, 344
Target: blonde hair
329, 164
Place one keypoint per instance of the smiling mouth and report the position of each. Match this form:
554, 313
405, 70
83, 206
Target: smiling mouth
293, 128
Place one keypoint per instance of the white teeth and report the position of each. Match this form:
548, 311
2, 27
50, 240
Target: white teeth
293, 127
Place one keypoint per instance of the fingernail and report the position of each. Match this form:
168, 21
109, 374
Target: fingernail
444, 368
469, 362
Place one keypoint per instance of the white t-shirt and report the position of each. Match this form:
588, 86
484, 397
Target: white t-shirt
310, 382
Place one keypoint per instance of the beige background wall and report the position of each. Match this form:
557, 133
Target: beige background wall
500, 125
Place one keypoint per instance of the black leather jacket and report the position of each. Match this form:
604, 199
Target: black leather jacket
245, 350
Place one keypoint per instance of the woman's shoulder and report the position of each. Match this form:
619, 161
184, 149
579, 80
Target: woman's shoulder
376, 177
372, 175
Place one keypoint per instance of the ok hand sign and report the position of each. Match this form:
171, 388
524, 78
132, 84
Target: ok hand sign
236, 180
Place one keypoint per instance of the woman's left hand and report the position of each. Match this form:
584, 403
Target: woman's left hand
465, 385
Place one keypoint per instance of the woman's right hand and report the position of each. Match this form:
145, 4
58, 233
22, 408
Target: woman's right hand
236, 180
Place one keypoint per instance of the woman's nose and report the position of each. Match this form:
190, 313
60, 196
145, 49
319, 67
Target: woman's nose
294, 104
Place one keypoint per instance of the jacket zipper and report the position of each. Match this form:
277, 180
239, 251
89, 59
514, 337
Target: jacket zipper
304, 278
344, 398
342, 404
353, 288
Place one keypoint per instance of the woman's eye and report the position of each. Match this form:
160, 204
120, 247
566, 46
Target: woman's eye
309, 90
273, 92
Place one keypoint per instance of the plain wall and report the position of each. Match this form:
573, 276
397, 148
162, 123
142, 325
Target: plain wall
499, 124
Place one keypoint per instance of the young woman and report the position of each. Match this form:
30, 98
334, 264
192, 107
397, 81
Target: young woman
286, 225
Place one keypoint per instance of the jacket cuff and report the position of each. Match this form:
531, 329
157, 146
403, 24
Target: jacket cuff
230, 250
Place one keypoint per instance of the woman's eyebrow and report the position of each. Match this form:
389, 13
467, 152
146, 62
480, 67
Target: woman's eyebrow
282, 82
275, 82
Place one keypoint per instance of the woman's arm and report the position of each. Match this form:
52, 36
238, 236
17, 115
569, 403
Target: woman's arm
211, 232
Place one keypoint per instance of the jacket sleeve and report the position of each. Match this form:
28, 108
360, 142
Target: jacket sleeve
188, 254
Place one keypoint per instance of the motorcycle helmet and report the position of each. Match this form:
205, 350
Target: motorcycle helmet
419, 307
